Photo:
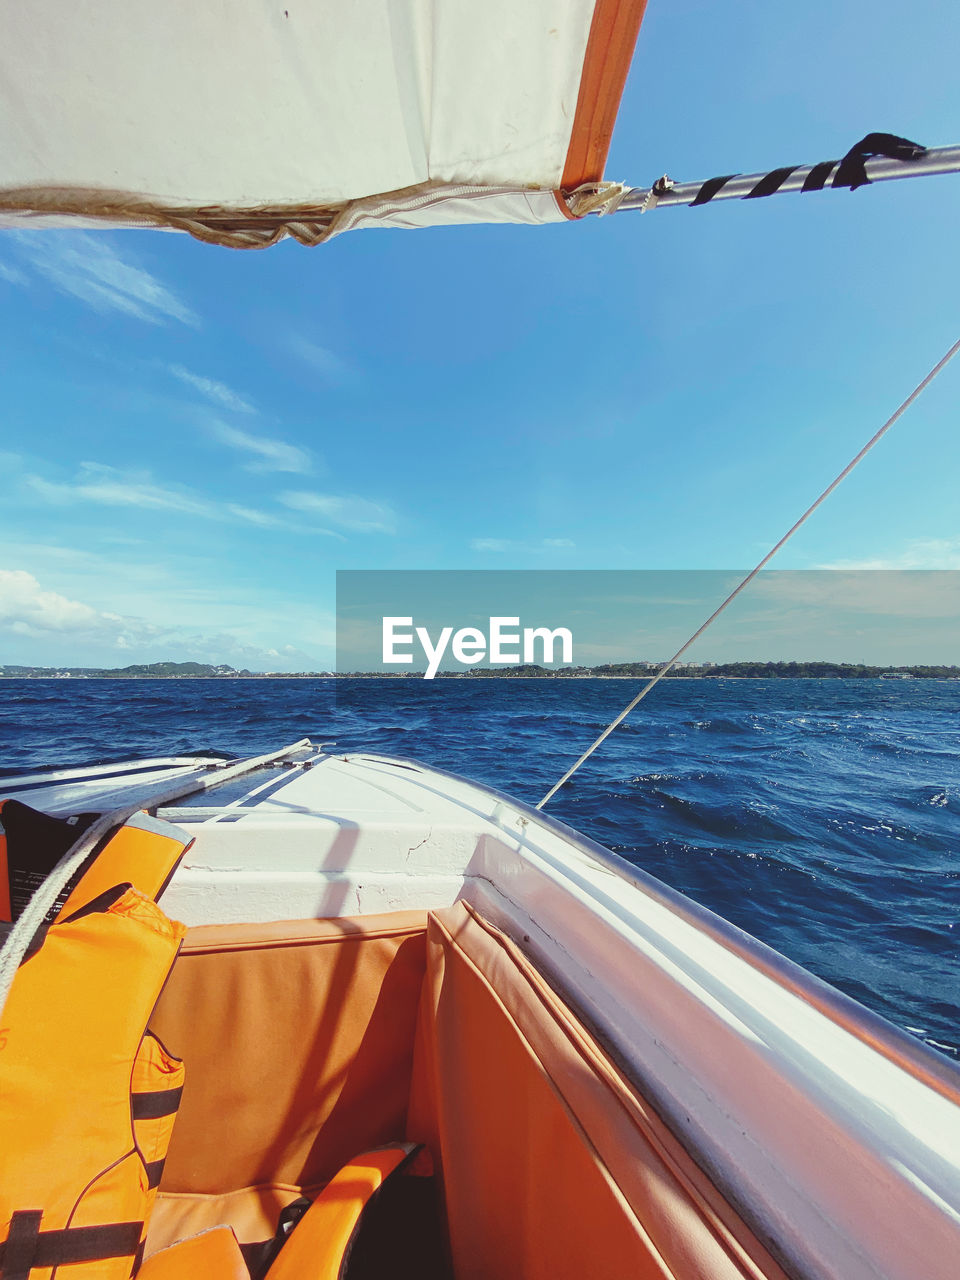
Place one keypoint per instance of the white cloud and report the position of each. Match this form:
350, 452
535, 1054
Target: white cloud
97, 570
252, 516
921, 553
357, 514
524, 548
12, 275
264, 520
333, 368
109, 487
84, 265
25, 608
490, 544
216, 391
61, 629
270, 454
839, 596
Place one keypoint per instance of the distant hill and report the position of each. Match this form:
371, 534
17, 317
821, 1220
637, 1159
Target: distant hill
139, 671
737, 670
622, 670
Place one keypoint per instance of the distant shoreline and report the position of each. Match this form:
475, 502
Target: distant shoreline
609, 671
380, 675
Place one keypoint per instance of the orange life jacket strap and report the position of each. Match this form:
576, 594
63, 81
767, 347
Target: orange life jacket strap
144, 852
160, 1104
156, 1086
26, 1246
153, 1105
319, 1244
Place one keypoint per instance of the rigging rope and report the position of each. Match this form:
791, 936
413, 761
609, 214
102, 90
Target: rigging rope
941, 364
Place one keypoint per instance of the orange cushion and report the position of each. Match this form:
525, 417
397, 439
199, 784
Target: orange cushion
298, 1042
554, 1166
252, 1212
214, 1255
318, 1243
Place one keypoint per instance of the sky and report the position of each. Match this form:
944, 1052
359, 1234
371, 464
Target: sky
194, 440
407, 621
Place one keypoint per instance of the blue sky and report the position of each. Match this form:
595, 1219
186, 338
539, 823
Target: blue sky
194, 439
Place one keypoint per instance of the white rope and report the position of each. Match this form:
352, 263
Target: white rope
34, 913
753, 572
596, 197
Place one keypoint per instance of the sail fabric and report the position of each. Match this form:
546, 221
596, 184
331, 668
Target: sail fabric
241, 117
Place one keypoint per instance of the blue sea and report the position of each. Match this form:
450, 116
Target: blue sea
822, 816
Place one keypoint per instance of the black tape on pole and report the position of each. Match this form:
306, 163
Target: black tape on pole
852, 172
710, 189
771, 183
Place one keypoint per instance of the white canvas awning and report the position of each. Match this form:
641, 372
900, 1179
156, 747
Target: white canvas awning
247, 121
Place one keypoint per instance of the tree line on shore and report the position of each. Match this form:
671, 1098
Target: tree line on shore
733, 670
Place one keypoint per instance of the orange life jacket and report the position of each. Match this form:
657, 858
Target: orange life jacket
143, 851
87, 1096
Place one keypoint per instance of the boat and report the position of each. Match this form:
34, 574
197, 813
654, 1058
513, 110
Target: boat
608, 1075
309, 1014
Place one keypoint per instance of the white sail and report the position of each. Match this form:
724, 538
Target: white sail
244, 122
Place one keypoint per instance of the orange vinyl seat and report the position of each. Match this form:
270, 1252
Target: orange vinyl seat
317, 1247
308, 1041
554, 1165
267, 1118
212, 1255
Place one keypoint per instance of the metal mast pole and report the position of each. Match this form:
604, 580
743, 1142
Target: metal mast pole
803, 178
